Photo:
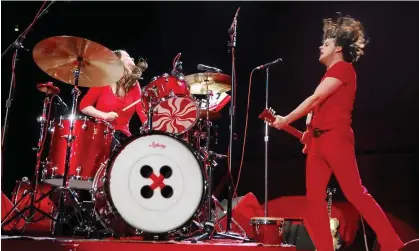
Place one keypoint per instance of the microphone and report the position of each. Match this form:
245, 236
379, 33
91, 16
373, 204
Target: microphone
269, 64
60, 101
202, 67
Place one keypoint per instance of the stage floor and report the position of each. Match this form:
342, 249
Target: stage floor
27, 243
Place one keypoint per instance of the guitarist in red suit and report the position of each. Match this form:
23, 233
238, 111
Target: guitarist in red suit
331, 138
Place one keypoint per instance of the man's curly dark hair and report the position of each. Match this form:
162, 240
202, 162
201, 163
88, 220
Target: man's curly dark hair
348, 33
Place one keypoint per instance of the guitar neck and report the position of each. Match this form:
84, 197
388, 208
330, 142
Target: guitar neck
294, 132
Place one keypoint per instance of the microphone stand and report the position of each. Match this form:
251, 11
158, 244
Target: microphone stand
232, 45
232, 114
17, 44
266, 138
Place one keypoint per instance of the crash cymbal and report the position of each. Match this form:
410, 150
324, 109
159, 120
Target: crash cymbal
48, 88
217, 82
59, 56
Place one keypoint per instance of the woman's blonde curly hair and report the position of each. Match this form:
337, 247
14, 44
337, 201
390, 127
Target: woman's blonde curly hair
348, 33
128, 80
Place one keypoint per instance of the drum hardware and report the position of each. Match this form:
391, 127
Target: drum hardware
50, 92
208, 158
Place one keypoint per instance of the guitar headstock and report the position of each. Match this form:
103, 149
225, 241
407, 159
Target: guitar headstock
268, 115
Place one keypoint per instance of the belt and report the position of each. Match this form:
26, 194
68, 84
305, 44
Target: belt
317, 132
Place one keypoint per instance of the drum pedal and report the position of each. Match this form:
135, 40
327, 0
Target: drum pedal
87, 205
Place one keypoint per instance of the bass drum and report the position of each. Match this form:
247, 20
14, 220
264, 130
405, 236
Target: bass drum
154, 184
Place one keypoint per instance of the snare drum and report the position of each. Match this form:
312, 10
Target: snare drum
154, 184
91, 147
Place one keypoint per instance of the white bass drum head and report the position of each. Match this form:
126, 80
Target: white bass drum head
156, 183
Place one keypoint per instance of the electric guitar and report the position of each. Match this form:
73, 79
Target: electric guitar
334, 222
268, 115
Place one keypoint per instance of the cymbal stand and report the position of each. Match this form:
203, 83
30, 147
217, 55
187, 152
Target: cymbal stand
266, 139
61, 219
39, 149
150, 115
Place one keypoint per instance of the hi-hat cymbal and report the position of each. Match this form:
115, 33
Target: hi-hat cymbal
217, 82
59, 56
48, 88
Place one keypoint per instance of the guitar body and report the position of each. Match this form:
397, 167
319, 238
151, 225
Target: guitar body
268, 115
334, 224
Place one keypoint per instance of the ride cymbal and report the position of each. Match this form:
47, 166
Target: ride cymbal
217, 82
59, 56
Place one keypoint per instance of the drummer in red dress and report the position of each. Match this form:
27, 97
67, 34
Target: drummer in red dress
108, 102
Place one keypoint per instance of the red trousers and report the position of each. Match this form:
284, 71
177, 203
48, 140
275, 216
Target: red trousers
334, 152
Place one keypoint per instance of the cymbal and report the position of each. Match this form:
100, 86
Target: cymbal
59, 56
217, 82
48, 88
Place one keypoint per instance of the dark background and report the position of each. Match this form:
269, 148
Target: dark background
386, 107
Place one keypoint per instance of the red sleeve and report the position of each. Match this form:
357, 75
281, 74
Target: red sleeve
139, 106
343, 71
90, 98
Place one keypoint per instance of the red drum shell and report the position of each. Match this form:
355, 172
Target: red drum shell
91, 147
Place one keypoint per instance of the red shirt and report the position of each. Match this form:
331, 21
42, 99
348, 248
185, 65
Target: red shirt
336, 110
103, 99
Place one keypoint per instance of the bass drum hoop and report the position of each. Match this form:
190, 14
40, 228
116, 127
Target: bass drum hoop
110, 164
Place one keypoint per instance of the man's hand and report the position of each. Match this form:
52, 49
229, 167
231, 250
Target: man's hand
279, 122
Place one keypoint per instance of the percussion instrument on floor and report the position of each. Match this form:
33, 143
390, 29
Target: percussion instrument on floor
91, 147
268, 230
39, 224
155, 184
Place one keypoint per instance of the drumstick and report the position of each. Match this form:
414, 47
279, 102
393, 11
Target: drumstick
131, 105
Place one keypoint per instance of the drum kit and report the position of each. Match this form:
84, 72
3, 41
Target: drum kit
156, 184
